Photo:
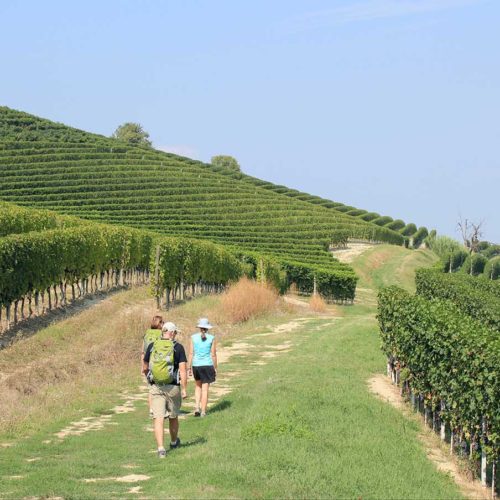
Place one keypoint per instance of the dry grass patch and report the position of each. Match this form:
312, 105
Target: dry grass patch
317, 304
90, 349
247, 299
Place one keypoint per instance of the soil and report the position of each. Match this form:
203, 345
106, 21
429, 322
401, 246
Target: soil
385, 390
349, 253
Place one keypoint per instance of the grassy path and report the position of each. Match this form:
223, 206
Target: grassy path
294, 418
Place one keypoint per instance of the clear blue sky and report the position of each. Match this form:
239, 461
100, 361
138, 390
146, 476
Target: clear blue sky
387, 105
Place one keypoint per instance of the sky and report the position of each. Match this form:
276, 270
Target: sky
388, 105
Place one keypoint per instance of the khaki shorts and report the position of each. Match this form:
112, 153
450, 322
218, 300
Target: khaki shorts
166, 400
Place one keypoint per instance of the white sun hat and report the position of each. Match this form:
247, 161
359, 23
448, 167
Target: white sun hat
203, 323
168, 327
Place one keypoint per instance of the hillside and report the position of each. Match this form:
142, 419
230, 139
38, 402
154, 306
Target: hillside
48, 165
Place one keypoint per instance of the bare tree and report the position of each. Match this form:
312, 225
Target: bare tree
471, 234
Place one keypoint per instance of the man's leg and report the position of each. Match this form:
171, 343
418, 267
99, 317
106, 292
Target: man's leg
158, 404
204, 397
159, 431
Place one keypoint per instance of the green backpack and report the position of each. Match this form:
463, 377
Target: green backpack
149, 337
161, 362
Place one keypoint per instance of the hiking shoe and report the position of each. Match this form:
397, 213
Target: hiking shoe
162, 453
151, 414
176, 444
203, 414
197, 413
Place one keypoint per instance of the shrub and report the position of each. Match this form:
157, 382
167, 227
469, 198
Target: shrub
246, 299
317, 304
396, 225
409, 229
370, 216
383, 221
420, 236
492, 269
454, 260
474, 264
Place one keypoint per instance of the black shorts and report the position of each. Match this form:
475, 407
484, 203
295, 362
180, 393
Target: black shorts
204, 373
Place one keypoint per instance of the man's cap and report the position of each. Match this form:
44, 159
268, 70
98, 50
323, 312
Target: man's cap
168, 327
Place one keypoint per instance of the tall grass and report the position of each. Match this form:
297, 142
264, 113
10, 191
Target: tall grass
317, 304
246, 299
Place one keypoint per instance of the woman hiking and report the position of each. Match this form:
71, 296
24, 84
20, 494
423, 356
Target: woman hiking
153, 333
202, 364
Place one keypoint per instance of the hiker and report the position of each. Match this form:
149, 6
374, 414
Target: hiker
153, 333
165, 365
202, 364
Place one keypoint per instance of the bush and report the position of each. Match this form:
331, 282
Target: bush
474, 264
340, 238
420, 236
317, 304
453, 260
383, 221
396, 225
492, 269
370, 216
246, 299
409, 229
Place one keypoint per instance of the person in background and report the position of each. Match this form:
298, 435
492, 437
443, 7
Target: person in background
202, 364
165, 365
153, 333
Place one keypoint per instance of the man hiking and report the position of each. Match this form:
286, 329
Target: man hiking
165, 365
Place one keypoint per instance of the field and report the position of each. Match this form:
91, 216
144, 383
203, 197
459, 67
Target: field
292, 415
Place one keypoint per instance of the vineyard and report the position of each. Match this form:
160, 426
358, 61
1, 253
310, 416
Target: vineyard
443, 348
55, 167
48, 260
74, 178
411, 235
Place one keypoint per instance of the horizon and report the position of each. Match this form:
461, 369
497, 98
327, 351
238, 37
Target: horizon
329, 99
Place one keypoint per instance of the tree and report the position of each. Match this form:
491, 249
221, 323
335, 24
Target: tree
226, 162
471, 234
133, 133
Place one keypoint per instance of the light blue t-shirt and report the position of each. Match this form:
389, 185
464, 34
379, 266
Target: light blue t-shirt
201, 350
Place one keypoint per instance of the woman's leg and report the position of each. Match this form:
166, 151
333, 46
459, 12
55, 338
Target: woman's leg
204, 397
197, 395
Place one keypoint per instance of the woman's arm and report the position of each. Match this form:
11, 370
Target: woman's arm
213, 353
190, 357
183, 377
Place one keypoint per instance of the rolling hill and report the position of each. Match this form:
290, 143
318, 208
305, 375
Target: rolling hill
52, 166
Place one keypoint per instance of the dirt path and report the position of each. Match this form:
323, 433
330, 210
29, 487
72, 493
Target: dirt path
381, 386
244, 347
352, 251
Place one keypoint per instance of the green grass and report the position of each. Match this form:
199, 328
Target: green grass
303, 425
385, 265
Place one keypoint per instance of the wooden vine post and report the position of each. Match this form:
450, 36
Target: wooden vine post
483, 454
443, 425
157, 277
